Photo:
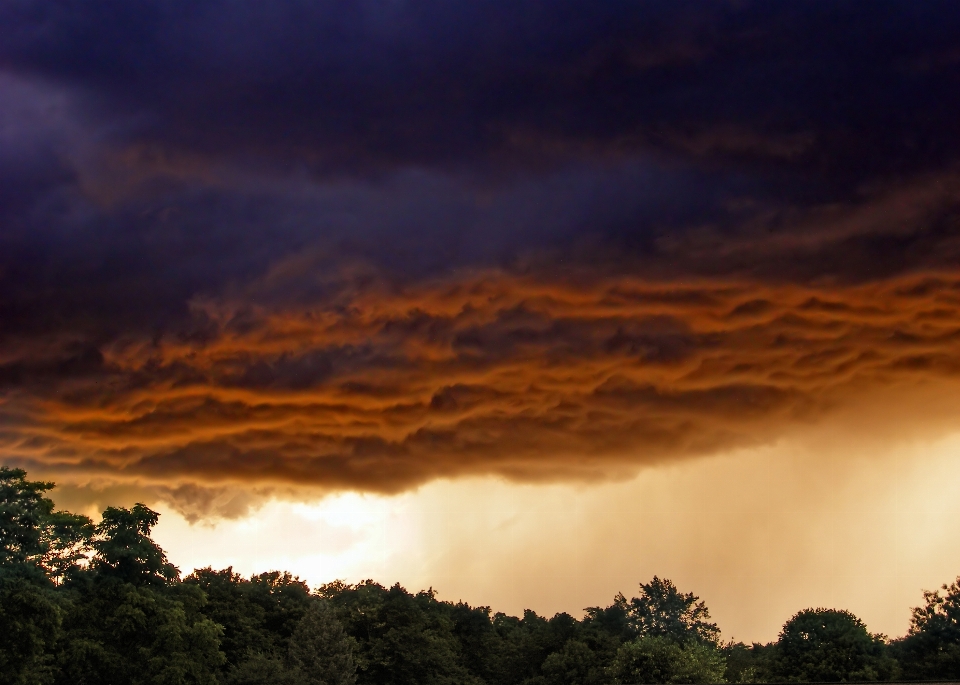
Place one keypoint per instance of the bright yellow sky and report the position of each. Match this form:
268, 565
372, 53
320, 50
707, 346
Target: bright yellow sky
758, 534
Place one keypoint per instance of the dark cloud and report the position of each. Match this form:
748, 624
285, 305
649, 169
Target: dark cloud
840, 88
369, 244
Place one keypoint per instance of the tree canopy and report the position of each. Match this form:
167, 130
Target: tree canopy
663, 611
125, 551
830, 646
34, 538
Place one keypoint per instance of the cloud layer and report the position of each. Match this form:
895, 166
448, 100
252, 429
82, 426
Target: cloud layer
364, 86
526, 377
367, 245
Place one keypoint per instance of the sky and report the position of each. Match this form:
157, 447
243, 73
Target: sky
525, 301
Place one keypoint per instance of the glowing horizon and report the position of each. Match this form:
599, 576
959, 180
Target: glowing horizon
514, 547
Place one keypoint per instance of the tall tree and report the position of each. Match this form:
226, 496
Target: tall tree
35, 539
23, 508
125, 551
284, 599
527, 642
663, 611
128, 620
748, 663
478, 641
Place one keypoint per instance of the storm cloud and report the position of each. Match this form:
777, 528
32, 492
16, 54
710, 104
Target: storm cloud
523, 377
367, 245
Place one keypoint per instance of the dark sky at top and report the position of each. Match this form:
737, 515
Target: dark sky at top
366, 244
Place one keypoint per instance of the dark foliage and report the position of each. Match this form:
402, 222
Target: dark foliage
30, 626
826, 645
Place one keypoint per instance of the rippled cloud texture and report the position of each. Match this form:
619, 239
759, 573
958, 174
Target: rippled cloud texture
250, 247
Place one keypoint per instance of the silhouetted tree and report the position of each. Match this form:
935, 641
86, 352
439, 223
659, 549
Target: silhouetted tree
284, 599
127, 620
830, 645
526, 643
663, 611
931, 649
118, 632
612, 620
228, 605
477, 639
125, 551
35, 540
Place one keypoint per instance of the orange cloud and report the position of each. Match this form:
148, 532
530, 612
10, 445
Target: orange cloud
386, 387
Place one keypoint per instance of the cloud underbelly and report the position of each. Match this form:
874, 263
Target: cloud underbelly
384, 387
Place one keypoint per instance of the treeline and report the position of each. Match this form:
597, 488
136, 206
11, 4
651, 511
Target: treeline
99, 604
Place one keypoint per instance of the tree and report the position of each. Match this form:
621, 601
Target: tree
125, 551
284, 599
660, 659
931, 649
321, 650
128, 620
67, 542
612, 620
35, 540
663, 611
830, 645
22, 511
